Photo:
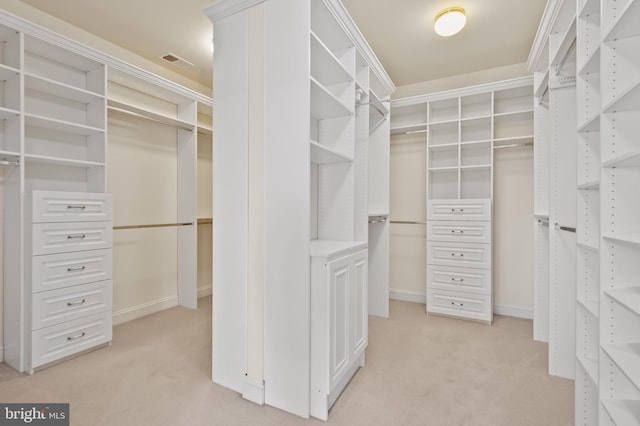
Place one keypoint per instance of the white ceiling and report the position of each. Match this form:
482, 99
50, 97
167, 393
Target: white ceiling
498, 32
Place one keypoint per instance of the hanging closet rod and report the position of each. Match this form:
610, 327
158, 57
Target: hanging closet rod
5, 162
174, 124
205, 221
155, 225
564, 228
380, 220
407, 222
513, 145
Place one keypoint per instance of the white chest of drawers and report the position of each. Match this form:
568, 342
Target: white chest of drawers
70, 272
459, 259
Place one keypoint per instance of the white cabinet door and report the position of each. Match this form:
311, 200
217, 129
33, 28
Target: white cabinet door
360, 303
339, 313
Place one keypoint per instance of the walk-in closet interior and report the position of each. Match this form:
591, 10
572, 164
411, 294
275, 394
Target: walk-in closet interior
348, 192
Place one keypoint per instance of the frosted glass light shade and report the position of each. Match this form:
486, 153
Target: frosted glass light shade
450, 21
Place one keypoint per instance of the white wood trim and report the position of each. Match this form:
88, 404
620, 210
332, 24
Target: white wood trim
81, 49
515, 311
205, 291
221, 9
407, 296
144, 309
463, 91
253, 390
542, 35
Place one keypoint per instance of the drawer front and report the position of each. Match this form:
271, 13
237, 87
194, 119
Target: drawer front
54, 271
469, 280
466, 255
459, 210
59, 341
54, 206
465, 305
66, 304
50, 238
459, 231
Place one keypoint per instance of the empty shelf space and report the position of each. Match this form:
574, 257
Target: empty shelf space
629, 238
628, 297
623, 411
321, 154
324, 104
567, 42
324, 64
60, 90
594, 184
61, 126
628, 100
627, 357
590, 11
7, 72
592, 124
627, 24
149, 115
592, 306
591, 64
334, 248
61, 161
629, 159
8, 113
590, 365
409, 129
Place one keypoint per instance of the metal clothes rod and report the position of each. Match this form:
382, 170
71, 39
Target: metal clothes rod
564, 228
205, 221
407, 222
4, 162
155, 225
513, 145
148, 118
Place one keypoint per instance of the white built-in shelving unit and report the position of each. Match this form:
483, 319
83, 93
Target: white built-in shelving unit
461, 129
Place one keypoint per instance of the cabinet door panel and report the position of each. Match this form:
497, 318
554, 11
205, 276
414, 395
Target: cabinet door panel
360, 303
339, 308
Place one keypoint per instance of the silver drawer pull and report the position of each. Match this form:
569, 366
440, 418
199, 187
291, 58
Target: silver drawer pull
76, 237
457, 304
76, 337
457, 210
457, 254
77, 302
78, 269
457, 231
459, 280
76, 207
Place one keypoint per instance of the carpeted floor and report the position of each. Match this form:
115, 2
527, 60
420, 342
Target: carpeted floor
421, 370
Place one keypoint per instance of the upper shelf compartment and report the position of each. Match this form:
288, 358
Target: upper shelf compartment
409, 118
325, 104
326, 29
325, 66
621, 22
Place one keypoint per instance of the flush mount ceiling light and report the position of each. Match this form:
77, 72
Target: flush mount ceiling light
450, 21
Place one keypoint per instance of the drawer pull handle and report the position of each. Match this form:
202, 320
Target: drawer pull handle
457, 254
76, 237
77, 302
76, 207
76, 337
78, 269
457, 304
459, 280
457, 231
457, 210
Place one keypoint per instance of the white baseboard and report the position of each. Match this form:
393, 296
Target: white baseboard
253, 390
204, 291
507, 310
407, 296
514, 311
144, 309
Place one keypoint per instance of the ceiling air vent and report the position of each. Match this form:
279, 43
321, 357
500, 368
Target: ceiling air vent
176, 60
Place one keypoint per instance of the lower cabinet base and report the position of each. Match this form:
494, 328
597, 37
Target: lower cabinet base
68, 357
321, 403
460, 305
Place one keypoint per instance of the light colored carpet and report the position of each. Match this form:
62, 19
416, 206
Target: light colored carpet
421, 370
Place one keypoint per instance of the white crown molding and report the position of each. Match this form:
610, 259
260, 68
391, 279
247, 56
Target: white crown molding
464, 91
34, 30
221, 9
549, 17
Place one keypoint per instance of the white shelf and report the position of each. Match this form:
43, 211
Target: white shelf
629, 159
592, 64
7, 72
375, 100
627, 24
60, 90
334, 248
629, 238
590, 11
321, 154
592, 306
565, 45
204, 130
444, 147
624, 412
378, 214
42, 159
149, 115
543, 86
439, 122
325, 67
483, 117
476, 167
528, 111
61, 126
594, 184
628, 297
8, 113
409, 129
627, 357
519, 140
590, 125
324, 104
443, 169
476, 142
629, 100
590, 365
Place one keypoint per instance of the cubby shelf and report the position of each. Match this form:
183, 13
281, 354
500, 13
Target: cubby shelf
627, 357
592, 64
590, 365
149, 115
42, 159
629, 159
626, 25
7, 72
321, 154
443, 169
590, 305
543, 86
592, 124
325, 67
590, 185
623, 411
525, 139
627, 100
60, 90
324, 104
590, 10
528, 111
61, 126
565, 45
409, 129
8, 113
447, 121
628, 297
628, 238
444, 147
476, 167
378, 102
